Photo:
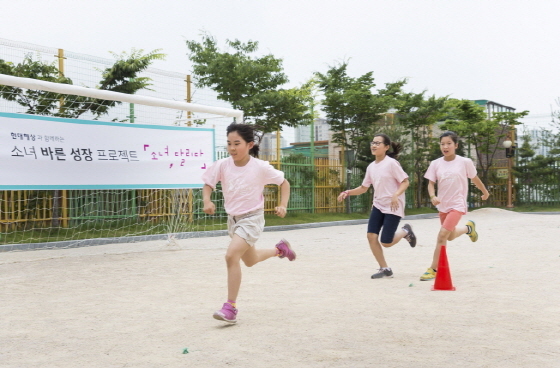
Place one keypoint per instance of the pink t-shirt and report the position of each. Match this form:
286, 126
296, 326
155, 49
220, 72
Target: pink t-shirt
386, 176
242, 186
452, 182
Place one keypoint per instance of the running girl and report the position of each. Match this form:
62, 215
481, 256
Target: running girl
451, 172
243, 177
389, 183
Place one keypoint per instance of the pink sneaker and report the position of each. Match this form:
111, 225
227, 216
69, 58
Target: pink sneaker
285, 250
227, 313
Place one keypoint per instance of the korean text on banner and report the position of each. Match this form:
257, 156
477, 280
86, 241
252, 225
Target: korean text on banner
54, 153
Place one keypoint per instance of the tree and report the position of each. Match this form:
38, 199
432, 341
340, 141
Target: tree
121, 77
525, 153
352, 109
250, 83
537, 175
553, 135
418, 115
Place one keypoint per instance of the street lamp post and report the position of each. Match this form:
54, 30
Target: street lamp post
510, 152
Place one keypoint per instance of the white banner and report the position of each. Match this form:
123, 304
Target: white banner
39, 152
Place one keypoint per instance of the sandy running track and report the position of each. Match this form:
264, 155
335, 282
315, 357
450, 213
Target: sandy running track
141, 305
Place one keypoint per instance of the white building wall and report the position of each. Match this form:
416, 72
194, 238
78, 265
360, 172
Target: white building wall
537, 138
322, 131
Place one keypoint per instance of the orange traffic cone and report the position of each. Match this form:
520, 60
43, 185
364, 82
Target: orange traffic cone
443, 276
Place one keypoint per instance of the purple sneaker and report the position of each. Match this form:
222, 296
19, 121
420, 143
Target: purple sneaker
285, 250
227, 313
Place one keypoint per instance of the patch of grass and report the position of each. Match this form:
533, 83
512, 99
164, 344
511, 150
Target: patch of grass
419, 211
130, 227
99, 229
306, 218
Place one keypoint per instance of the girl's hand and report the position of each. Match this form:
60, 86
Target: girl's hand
343, 195
209, 208
485, 196
280, 211
394, 203
435, 201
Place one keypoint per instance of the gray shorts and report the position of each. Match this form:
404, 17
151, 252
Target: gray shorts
248, 226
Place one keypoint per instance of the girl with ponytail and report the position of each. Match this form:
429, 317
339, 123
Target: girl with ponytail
389, 182
243, 177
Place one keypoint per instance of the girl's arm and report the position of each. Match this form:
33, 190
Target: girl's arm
356, 191
209, 206
432, 192
395, 200
480, 185
284, 198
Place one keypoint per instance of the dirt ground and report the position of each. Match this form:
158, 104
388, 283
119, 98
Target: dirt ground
143, 304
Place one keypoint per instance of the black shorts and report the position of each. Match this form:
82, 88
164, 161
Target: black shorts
388, 222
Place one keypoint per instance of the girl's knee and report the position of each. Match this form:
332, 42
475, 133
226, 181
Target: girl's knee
231, 259
386, 245
249, 262
443, 235
372, 236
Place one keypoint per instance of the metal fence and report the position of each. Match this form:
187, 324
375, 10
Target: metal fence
538, 189
315, 183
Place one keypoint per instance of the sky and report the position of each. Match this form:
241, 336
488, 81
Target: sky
499, 50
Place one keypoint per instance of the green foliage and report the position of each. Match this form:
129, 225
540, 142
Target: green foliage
536, 174
250, 83
525, 152
121, 77
553, 135
418, 116
35, 102
537, 171
398, 134
352, 109
301, 170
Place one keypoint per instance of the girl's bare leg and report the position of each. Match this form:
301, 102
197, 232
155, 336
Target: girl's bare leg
237, 247
396, 238
376, 249
253, 256
239, 250
443, 237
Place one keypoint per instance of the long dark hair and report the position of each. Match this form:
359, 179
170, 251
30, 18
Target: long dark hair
247, 133
394, 147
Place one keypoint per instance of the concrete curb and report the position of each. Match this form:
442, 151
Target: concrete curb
199, 234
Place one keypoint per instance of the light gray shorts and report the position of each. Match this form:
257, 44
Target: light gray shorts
248, 226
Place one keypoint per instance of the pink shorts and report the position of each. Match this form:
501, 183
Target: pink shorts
450, 220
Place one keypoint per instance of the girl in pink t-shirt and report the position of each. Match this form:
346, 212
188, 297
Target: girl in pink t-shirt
389, 182
451, 172
243, 177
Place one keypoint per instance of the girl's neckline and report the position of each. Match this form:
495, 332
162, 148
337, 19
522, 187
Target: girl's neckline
241, 166
380, 161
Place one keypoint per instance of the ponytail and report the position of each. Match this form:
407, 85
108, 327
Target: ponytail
394, 151
254, 151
